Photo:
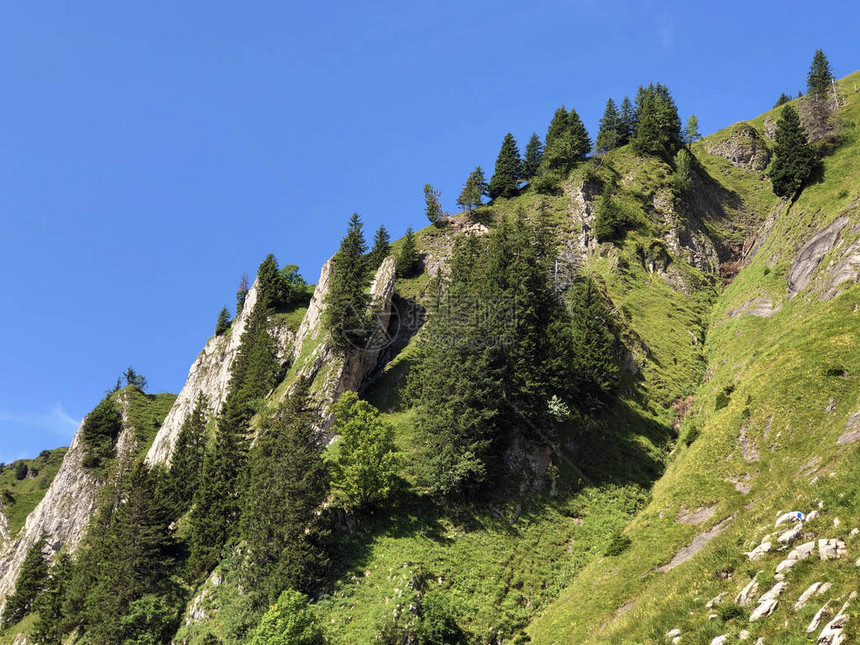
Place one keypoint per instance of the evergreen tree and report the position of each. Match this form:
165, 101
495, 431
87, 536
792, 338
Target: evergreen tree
782, 100
593, 340
611, 221
506, 178
366, 465
269, 287
567, 141
288, 484
658, 126
626, 122
475, 187
242, 293
691, 130
288, 622
793, 157
188, 455
49, 628
223, 323
345, 313
608, 136
408, 260
683, 175
99, 432
381, 248
432, 205
820, 77
533, 157
31, 582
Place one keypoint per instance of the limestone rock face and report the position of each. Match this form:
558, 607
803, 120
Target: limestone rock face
811, 254
745, 148
210, 375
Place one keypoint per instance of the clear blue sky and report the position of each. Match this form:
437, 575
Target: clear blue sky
130, 205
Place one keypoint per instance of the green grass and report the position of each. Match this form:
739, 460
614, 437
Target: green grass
146, 413
19, 497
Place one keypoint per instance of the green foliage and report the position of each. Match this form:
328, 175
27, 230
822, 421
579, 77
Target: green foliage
18, 497
288, 484
626, 121
730, 610
567, 142
782, 100
691, 130
278, 288
618, 544
288, 622
100, 431
506, 178
30, 584
793, 157
132, 378
345, 315
242, 293
432, 205
608, 136
187, 462
611, 221
474, 188
533, 157
365, 469
21, 470
594, 342
658, 126
150, 620
381, 248
408, 260
683, 176
223, 323
820, 76
49, 627
724, 397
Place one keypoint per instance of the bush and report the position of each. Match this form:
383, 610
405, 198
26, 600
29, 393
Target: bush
618, 544
724, 397
20, 470
100, 431
288, 622
611, 222
730, 611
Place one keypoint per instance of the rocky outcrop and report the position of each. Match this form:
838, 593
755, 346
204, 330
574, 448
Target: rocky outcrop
210, 375
744, 148
811, 254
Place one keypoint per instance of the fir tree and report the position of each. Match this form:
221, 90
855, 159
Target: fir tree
432, 205
366, 465
242, 293
691, 130
381, 248
626, 122
269, 288
567, 141
782, 100
593, 340
50, 624
611, 221
793, 157
223, 323
658, 126
608, 136
533, 157
475, 187
31, 582
187, 461
288, 484
505, 179
819, 80
408, 259
345, 313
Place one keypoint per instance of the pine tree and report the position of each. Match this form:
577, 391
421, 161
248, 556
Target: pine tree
626, 122
408, 259
782, 100
381, 248
432, 205
819, 80
31, 582
288, 484
593, 340
223, 323
505, 179
50, 628
567, 141
608, 136
187, 461
242, 293
366, 465
691, 130
793, 157
611, 221
533, 157
474, 188
345, 313
658, 126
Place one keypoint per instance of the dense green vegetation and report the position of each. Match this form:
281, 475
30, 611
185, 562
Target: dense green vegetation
23, 484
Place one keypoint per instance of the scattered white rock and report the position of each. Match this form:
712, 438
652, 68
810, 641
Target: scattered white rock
836, 522
745, 596
672, 633
832, 549
716, 600
791, 534
768, 602
676, 640
811, 516
758, 552
760, 641
806, 595
720, 640
820, 505
713, 616
832, 633
816, 619
824, 588
744, 635
802, 552
783, 568
854, 531
790, 516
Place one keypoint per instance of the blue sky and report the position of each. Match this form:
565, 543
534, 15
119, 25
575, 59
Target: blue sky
132, 189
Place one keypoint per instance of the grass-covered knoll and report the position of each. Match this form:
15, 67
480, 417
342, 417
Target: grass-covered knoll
762, 437
145, 413
23, 484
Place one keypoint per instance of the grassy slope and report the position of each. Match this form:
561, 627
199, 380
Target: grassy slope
18, 498
782, 369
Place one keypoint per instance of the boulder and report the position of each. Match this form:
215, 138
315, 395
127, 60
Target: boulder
832, 549
745, 596
832, 633
768, 602
790, 516
759, 552
791, 534
802, 552
806, 595
816, 619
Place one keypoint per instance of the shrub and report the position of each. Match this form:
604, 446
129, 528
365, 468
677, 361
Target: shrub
288, 622
611, 222
618, 544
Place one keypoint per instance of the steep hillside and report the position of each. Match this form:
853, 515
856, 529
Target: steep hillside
770, 430
23, 483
